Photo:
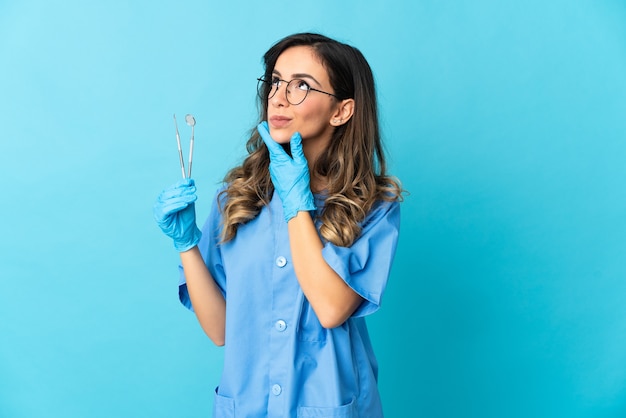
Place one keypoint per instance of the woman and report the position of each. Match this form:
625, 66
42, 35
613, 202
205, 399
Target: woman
299, 243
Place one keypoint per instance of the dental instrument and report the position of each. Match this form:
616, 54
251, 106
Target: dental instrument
191, 122
180, 150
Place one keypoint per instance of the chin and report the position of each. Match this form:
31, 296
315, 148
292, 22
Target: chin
281, 136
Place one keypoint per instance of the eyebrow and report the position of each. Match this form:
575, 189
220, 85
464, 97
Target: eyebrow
299, 75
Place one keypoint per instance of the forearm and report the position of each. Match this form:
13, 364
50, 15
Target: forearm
206, 297
330, 297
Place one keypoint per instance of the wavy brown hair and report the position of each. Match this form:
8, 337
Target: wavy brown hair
353, 164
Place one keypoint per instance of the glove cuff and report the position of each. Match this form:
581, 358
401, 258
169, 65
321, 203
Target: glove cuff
181, 247
306, 205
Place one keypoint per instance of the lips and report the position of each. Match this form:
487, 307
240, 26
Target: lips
279, 121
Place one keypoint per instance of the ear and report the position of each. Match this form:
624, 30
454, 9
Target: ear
343, 112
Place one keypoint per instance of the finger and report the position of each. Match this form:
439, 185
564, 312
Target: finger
296, 148
163, 212
178, 201
173, 207
177, 191
186, 198
274, 147
181, 184
167, 209
186, 182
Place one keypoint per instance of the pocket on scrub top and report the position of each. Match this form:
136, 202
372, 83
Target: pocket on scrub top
223, 407
344, 411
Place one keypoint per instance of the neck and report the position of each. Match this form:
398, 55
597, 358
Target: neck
318, 184
313, 148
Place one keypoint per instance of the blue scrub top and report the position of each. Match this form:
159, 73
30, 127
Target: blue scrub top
279, 361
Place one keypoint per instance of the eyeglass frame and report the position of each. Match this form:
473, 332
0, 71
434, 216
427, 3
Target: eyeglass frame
263, 80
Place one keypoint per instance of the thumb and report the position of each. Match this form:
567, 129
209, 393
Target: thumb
273, 147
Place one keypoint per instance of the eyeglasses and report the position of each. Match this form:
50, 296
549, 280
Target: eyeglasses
296, 90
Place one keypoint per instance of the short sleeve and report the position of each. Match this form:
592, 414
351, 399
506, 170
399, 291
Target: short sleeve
209, 246
365, 266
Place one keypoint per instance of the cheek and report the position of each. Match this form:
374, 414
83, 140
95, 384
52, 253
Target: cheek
313, 129
313, 121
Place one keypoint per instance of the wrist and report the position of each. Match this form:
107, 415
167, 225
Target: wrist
301, 215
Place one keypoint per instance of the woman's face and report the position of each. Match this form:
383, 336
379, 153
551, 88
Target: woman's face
312, 118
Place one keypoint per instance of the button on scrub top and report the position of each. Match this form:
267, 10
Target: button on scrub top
279, 361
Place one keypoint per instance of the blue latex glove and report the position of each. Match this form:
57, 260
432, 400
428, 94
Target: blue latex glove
290, 175
175, 213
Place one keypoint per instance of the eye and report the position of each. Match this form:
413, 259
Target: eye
275, 82
301, 85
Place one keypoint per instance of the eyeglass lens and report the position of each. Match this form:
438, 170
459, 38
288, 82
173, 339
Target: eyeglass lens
296, 90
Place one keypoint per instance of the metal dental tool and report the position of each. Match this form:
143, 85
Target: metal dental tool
180, 150
191, 122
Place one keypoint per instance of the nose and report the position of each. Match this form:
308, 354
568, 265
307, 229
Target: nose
280, 97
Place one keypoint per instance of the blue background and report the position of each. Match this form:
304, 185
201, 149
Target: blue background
505, 121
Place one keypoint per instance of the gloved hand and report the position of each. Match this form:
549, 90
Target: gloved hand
290, 175
175, 213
